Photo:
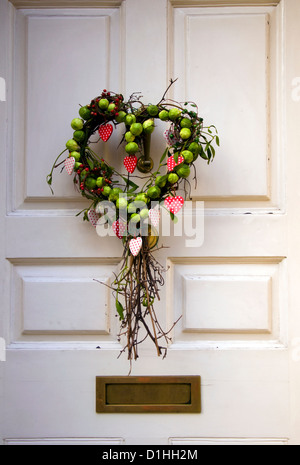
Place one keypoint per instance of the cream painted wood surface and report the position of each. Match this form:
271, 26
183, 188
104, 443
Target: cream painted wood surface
236, 288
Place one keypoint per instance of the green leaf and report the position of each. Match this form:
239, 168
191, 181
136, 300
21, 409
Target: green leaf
120, 309
90, 163
163, 156
173, 217
130, 191
218, 141
134, 187
125, 179
49, 181
176, 157
202, 155
209, 154
130, 183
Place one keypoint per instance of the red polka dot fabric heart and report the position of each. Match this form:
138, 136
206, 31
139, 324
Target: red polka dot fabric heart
130, 163
119, 228
171, 163
170, 136
154, 216
69, 165
93, 217
105, 131
174, 204
135, 245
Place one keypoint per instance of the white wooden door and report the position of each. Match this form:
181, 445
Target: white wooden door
237, 289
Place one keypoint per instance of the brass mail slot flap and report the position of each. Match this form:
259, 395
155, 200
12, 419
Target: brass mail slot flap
141, 394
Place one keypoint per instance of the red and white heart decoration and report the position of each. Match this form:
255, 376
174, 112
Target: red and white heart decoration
93, 217
105, 131
69, 164
135, 245
174, 204
170, 137
119, 228
130, 163
171, 163
154, 216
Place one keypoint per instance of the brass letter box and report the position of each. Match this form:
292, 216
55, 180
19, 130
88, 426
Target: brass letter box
141, 394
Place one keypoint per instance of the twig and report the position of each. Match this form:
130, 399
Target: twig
138, 286
166, 91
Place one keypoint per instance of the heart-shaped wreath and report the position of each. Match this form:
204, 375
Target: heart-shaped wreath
132, 212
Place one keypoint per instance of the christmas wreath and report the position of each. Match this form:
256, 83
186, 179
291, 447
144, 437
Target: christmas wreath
133, 212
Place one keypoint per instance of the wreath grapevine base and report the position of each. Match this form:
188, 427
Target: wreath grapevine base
135, 217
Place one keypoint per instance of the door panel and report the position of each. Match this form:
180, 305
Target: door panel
60, 300
230, 79
237, 81
234, 300
231, 288
86, 51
